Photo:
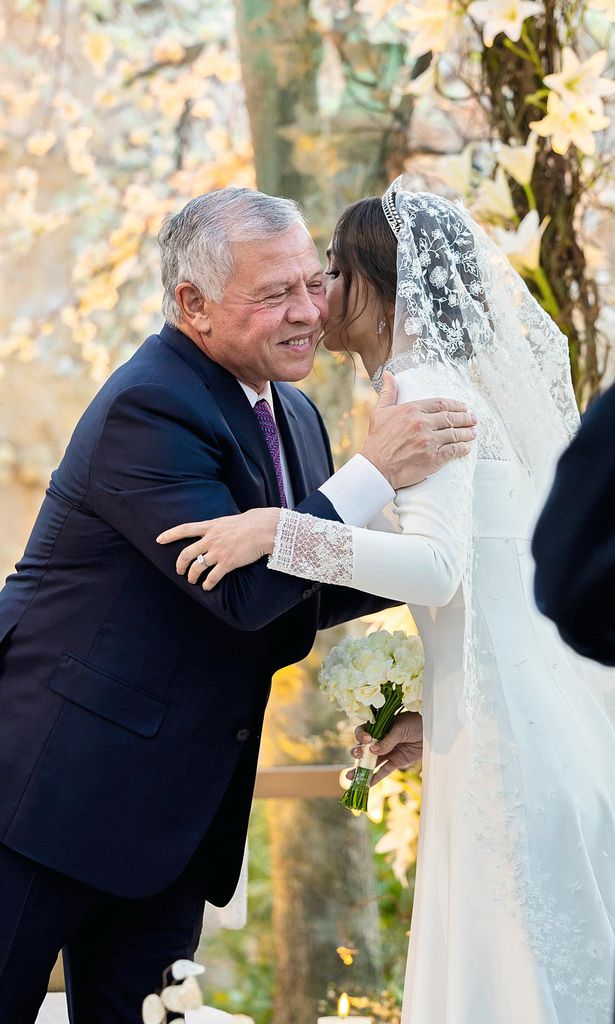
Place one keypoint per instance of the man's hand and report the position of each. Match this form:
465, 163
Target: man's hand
400, 748
412, 441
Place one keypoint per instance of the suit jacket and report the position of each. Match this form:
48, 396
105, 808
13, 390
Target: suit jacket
132, 701
574, 543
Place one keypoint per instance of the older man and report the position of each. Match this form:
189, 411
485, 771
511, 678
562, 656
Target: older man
132, 701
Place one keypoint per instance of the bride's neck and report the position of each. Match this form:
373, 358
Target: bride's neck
373, 356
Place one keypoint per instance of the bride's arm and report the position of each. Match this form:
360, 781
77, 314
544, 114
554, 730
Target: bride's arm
422, 566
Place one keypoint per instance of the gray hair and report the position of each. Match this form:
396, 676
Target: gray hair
195, 244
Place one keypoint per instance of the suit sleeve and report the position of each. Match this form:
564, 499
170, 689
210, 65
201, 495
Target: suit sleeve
574, 542
151, 469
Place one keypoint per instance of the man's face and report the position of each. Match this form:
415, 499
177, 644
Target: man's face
270, 317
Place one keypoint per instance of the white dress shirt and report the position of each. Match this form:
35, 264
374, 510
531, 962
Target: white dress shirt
358, 491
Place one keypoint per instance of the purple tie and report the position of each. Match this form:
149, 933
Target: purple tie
265, 418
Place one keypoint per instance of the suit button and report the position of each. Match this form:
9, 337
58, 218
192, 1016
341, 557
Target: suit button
306, 594
243, 735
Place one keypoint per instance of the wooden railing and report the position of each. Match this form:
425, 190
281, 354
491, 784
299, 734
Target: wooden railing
293, 781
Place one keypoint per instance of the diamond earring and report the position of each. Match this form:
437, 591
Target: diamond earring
381, 326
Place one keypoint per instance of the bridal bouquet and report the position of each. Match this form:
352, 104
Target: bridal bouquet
372, 679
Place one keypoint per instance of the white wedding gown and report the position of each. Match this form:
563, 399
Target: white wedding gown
514, 910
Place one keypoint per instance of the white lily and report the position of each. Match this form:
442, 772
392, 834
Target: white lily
400, 839
375, 11
180, 998
153, 1010
493, 200
389, 786
570, 122
518, 161
424, 83
456, 171
433, 25
505, 16
181, 969
581, 80
522, 247
606, 7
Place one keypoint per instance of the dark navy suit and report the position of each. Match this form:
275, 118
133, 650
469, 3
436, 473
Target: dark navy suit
132, 701
574, 543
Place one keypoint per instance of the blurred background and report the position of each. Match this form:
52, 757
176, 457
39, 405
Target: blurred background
113, 114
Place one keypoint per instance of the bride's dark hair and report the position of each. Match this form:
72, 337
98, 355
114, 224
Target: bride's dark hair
365, 251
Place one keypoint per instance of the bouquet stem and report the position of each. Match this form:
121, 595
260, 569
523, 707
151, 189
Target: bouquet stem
355, 798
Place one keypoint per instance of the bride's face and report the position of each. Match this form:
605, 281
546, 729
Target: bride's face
353, 320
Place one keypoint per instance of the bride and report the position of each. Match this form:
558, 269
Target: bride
514, 912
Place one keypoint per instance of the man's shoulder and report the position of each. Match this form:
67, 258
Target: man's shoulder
153, 368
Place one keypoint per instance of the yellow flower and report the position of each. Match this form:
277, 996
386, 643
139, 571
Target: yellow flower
433, 23
168, 51
22, 101
567, 123
505, 16
80, 160
41, 142
581, 80
518, 161
493, 200
204, 108
97, 47
523, 245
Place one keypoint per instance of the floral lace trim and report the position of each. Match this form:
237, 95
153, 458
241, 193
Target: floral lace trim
314, 549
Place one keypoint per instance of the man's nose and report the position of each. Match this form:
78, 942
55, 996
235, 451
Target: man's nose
305, 308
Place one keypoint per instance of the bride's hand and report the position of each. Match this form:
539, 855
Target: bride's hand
225, 544
400, 748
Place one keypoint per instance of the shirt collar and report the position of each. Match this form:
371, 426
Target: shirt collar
254, 397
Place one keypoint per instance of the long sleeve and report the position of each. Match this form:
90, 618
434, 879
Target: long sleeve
423, 565
358, 491
574, 542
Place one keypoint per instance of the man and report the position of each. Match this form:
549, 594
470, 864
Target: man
574, 543
132, 701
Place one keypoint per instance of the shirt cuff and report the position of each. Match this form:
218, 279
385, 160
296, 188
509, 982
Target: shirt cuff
358, 491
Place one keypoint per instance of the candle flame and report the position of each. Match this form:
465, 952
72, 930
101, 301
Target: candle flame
343, 1006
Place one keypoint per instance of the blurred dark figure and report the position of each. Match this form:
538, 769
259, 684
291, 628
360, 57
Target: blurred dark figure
574, 542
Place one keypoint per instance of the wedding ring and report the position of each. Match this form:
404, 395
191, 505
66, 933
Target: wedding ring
202, 560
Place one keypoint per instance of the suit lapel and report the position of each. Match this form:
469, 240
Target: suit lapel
233, 404
293, 440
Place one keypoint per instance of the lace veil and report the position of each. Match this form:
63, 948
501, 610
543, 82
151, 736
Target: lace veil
466, 321
461, 308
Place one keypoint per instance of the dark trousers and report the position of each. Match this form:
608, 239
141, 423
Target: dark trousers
115, 950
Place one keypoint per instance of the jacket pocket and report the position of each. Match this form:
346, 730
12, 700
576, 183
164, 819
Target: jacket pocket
107, 697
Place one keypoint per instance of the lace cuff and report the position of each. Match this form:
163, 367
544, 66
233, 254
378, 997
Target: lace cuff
314, 549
